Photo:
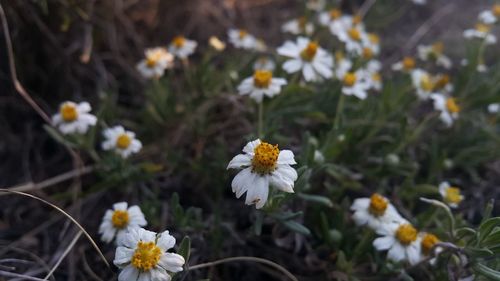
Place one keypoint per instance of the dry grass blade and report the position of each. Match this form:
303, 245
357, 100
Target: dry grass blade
64, 254
64, 213
17, 275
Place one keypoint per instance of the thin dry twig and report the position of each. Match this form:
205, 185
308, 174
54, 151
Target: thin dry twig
64, 254
17, 275
366, 7
248, 259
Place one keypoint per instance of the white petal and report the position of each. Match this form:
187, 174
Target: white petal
292, 66
165, 241
283, 183
172, 262
396, 253
250, 147
286, 157
287, 172
128, 273
242, 181
308, 72
122, 206
123, 256
258, 192
383, 243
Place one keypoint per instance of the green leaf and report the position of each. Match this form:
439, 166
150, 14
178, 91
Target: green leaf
316, 199
465, 231
296, 227
478, 252
487, 226
486, 271
185, 248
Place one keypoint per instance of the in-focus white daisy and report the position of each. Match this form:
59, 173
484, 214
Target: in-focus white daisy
119, 220
261, 84
494, 108
264, 63
121, 141
143, 255
407, 64
435, 53
240, 38
354, 85
490, 16
182, 47
427, 243
481, 31
74, 118
316, 5
374, 211
353, 38
402, 241
423, 83
447, 106
307, 56
298, 26
262, 165
451, 195
155, 62
342, 65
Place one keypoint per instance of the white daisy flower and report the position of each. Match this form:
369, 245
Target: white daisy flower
298, 26
342, 65
182, 47
316, 5
374, 211
330, 17
451, 195
434, 52
423, 83
307, 56
240, 38
407, 64
262, 165
490, 16
119, 220
121, 141
371, 75
354, 85
353, 38
448, 108
481, 31
261, 84
143, 255
74, 118
402, 241
427, 243
494, 108
264, 63
155, 62
371, 46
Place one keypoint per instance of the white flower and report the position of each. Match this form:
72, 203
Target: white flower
490, 16
448, 108
119, 220
316, 5
330, 17
402, 241
434, 52
451, 195
182, 47
427, 243
407, 64
261, 84
262, 165
353, 38
121, 141
74, 118
242, 39
318, 157
374, 212
481, 31
142, 256
298, 26
307, 56
354, 85
155, 62
371, 75
371, 46
423, 83
494, 108
342, 65
481, 68
264, 63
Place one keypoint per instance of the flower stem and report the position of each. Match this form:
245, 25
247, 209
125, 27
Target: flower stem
340, 106
260, 132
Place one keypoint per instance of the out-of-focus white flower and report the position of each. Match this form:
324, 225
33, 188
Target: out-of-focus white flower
264, 63
371, 46
260, 45
121, 141
298, 26
392, 159
407, 64
318, 157
143, 255
490, 16
262, 165
155, 62
182, 47
451, 195
371, 75
307, 56
261, 84
119, 220
427, 243
374, 212
332, 17
423, 83
216, 43
354, 85
481, 31
74, 118
316, 5
481, 68
434, 52
353, 38
448, 108
342, 65
240, 38
402, 241
494, 108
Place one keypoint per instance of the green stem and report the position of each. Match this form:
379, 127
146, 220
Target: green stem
340, 107
260, 132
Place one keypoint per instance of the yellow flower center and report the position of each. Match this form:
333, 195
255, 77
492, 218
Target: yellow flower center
146, 256
68, 112
376, 77
350, 79
408, 63
357, 19
378, 205
367, 53
484, 28
428, 242
123, 141
354, 34
426, 83
335, 13
452, 105
406, 234
179, 41
438, 47
496, 10
265, 158
242, 33
120, 219
442, 82
310, 51
262, 78
452, 195
374, 38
